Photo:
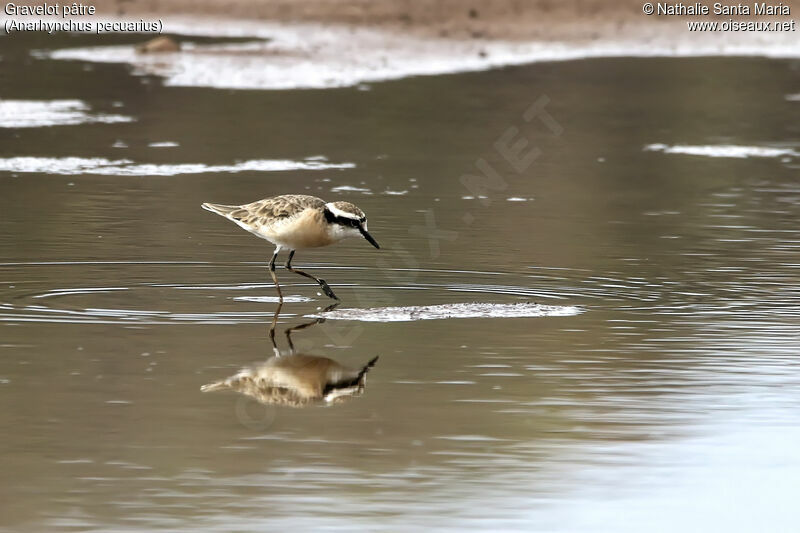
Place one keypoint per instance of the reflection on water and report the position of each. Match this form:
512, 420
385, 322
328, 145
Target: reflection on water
296, 379
678, 381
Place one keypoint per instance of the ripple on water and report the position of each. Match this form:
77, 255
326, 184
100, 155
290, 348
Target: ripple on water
448, 311
164, 302
122, 316
79, 290
273, 299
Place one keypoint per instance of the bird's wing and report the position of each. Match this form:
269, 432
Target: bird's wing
279, 207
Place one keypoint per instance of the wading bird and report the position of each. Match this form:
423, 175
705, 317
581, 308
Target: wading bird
295, 222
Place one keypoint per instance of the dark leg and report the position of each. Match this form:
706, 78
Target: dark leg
272, 330
327, 290
314, 322
272, 273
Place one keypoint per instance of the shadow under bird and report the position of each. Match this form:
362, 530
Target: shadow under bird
295, 222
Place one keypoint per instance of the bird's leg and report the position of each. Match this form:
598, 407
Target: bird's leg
272, 273
325, 288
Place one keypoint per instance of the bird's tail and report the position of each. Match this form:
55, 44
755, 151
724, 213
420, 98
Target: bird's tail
234, 382
222, 210
217, 385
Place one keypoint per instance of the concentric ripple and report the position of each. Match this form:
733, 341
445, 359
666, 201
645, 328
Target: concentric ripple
160, 302
102, 315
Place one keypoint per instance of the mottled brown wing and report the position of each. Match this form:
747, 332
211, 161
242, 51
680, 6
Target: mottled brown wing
284, 206
270, 210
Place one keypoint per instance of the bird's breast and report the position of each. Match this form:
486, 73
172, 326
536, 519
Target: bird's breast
305, 230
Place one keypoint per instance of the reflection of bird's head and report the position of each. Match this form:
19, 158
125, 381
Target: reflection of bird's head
297, 380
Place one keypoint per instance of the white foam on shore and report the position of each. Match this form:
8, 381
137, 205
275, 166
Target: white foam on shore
446, 311
294, 56
40, 113
71, 166
723, 150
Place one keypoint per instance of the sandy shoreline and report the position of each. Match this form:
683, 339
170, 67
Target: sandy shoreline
318, 44
498, 19
516, 20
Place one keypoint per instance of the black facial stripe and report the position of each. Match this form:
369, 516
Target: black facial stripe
342, 221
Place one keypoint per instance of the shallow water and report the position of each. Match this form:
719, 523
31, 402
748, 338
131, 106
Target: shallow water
667, 401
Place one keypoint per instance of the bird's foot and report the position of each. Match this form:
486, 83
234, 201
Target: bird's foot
327, 290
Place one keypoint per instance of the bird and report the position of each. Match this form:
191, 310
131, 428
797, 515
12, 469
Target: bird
296, 222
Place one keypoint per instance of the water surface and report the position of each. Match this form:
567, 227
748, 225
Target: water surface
668, 401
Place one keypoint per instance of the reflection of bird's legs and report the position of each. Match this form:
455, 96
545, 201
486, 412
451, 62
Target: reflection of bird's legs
321, 282
272, 273
272, 330
329, 308
318, 320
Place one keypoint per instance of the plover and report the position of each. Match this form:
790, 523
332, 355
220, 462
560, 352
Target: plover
295, 222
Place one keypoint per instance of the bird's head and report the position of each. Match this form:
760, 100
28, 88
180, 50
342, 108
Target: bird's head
347, 220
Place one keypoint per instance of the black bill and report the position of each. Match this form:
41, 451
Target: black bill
369, 238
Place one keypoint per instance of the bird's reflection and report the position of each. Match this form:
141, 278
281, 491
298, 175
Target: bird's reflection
296, 379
